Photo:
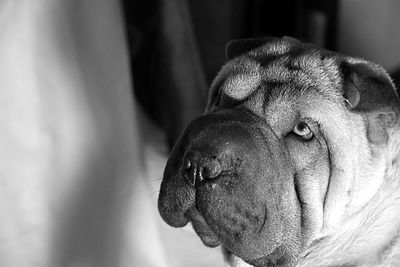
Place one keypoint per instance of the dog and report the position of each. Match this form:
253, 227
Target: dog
295, 161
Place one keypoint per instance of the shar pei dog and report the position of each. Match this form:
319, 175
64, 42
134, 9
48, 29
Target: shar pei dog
295, 161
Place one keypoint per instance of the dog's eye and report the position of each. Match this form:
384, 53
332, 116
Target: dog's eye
302, 129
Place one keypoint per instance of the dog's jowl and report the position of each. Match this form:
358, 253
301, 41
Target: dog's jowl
295, 161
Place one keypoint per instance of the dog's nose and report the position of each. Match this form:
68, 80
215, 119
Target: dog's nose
198, 167
216, 152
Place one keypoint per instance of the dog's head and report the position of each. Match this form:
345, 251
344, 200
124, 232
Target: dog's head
274, 162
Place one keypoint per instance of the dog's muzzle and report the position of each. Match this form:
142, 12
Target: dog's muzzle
225, 176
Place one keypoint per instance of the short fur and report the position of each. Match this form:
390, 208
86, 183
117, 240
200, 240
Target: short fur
343, 206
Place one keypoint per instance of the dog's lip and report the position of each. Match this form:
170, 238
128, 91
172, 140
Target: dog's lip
207, 236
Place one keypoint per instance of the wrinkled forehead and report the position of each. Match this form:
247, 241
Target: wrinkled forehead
281, 65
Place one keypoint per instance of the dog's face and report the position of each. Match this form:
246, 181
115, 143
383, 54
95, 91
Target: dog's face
273, 164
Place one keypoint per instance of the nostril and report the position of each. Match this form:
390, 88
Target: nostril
198, 168
190, 172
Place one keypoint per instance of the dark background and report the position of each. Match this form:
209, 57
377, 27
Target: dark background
177, 46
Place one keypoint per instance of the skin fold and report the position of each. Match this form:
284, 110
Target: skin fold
294, 162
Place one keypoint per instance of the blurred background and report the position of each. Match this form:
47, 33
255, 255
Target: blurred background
94, 94
182, 42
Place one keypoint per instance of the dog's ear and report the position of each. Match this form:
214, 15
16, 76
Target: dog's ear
368, 89
240, 46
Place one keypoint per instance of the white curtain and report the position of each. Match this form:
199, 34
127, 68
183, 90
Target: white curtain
74, 190
70, 167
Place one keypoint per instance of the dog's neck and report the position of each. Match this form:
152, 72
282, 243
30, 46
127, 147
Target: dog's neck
370, 237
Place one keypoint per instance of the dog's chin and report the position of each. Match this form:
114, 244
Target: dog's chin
211, 239
207, 236
223, 217
275, 259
